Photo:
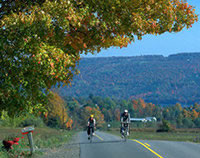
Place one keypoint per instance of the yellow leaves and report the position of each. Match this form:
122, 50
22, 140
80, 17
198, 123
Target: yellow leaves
148, 8
56, 107
152, 1
97, 114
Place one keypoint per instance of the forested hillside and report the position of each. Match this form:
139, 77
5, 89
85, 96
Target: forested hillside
156, 79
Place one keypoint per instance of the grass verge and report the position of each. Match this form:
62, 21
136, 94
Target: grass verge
178, 135
43, 138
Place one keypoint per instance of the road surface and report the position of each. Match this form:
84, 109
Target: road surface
109, 146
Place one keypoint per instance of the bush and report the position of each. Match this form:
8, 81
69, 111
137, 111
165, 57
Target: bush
7, 121
197, 122
165, 126
20, 121
32, 121
188, 123
54, 122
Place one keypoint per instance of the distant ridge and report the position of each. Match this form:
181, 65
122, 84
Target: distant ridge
155, 78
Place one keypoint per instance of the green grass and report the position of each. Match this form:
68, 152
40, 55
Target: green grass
178, 135
43, 138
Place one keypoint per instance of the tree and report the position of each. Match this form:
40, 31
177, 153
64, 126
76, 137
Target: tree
194, 114
97, 115
41, 40
188, 123
197, 122
117, 114
165, 126
57, 113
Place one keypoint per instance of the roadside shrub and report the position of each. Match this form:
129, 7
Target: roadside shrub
20, 121
32, 121
197, 122
165, 126
54, 122
7, 121
188, 123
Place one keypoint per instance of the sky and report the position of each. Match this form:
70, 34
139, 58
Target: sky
188, 40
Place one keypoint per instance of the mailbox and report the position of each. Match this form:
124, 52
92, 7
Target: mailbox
26, 130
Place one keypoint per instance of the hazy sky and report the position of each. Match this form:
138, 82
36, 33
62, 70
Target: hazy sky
188, 40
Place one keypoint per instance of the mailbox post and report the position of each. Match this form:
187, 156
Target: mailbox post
29, 131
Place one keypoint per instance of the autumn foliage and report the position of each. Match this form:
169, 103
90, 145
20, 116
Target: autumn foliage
41, 41
57, 111
99, 117
110, 110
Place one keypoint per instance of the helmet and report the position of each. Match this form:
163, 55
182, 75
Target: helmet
125, 110
91, 116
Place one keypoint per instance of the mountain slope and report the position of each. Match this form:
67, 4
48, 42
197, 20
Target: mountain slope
156, 79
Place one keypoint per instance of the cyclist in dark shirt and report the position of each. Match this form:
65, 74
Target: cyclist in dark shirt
125, 120
91, 124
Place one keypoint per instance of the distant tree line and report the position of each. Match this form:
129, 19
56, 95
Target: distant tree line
109, 110
70, 112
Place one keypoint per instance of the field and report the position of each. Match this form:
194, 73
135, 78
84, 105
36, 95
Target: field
191, 135
44, 138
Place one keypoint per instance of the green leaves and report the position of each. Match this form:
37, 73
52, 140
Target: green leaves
42, 40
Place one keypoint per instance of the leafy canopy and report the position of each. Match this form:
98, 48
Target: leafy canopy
41, 40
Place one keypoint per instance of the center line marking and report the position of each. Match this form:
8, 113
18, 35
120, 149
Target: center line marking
147, 148
147, 144
98, 137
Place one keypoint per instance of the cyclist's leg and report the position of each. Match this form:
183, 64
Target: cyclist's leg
88, 132
121, 129
93, 130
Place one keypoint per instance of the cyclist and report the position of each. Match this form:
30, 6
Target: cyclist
125, 120
91, 124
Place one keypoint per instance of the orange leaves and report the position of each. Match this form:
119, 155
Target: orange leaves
52, 65
153, 25
69, 17
195, 114
69, 123
46, 114
84, 45
142, 103
88, 108
186, 6
188, 11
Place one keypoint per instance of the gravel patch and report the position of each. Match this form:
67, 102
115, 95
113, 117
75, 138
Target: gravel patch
68, 150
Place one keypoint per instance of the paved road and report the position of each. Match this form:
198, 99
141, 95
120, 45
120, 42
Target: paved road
109, 146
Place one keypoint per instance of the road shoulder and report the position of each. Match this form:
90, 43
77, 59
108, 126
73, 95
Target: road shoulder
68, 150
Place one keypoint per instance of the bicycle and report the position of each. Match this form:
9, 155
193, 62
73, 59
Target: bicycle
125, 129
91, 135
